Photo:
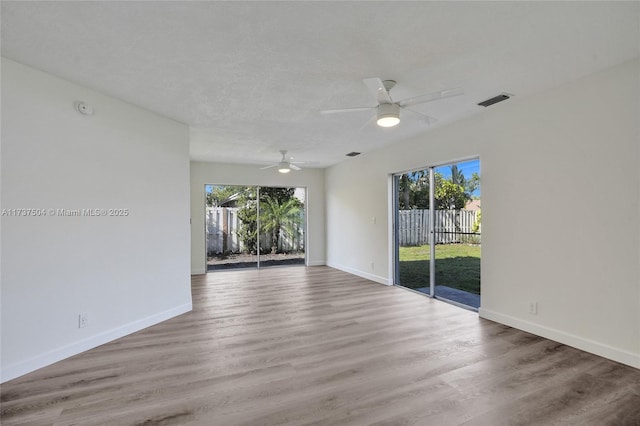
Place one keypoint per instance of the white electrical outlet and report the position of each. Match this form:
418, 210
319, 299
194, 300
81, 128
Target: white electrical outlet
533, 308
83, 320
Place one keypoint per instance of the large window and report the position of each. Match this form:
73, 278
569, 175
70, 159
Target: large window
254, 226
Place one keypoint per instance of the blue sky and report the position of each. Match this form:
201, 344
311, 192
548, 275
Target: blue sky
468, 168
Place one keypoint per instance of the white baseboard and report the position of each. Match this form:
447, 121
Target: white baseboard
587, 345
58, 354
367, 275
201, 271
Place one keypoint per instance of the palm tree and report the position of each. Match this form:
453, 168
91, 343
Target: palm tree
277, 215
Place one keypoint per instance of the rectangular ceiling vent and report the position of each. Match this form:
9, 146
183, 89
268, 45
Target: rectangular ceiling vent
495, 100
353, 154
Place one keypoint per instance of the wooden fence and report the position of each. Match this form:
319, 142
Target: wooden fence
451, 226
223, 226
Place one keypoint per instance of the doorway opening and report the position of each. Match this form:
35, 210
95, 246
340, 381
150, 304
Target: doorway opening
437, 224
254, 226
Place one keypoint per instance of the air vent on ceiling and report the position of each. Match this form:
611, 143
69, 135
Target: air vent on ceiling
495, 100
353, 154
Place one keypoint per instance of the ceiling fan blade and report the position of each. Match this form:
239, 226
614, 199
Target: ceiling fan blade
376, 87
268, 167
367, 123
340, 110
426, 118
294, 167
429, 97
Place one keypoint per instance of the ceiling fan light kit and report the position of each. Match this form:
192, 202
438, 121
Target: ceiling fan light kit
388, 115
284, 167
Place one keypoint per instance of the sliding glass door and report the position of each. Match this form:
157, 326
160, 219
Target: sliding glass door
253, 227
438, 231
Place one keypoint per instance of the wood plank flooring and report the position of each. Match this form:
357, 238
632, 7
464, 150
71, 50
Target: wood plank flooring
317, 346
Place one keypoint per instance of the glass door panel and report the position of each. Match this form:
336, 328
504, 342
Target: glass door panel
282, 226
231, 227
456, 230
412, 230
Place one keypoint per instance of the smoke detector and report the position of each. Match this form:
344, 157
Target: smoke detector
84, 108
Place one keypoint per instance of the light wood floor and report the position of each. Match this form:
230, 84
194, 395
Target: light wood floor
316, 346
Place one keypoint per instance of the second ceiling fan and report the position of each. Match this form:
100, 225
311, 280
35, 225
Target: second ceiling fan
388, 110
285, 165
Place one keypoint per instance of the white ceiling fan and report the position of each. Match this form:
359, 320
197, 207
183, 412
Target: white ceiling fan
388, 110
285, 165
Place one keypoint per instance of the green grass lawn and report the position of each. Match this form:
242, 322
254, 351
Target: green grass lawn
457, 266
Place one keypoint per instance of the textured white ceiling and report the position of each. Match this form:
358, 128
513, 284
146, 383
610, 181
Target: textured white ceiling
251, 77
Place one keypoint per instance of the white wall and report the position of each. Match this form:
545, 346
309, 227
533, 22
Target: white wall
235, 174
125, 273
561, 209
